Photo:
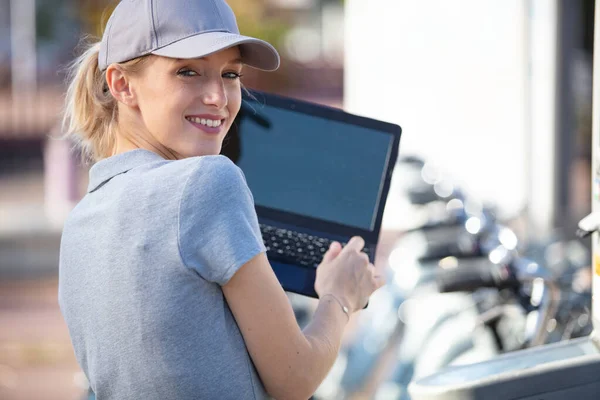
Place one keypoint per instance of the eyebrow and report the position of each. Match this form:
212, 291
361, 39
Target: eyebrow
234, 61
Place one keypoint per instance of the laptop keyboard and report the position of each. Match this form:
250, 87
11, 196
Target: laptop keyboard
294, 247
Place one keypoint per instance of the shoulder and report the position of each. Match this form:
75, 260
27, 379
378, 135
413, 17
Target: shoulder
215, 167
214, 172
218, 226
214, 179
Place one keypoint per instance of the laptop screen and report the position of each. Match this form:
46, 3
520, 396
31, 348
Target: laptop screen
312, 166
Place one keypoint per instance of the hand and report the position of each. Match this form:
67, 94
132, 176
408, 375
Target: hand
347, 274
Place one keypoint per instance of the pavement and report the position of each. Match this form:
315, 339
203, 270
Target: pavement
36, 357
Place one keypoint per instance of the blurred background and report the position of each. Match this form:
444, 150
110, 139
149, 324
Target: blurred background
496, 94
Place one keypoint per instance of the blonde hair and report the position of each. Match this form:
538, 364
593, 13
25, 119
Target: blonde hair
91, 112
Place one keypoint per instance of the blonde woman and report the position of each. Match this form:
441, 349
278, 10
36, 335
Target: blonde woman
164, 282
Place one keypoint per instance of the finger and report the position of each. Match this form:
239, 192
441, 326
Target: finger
364, 257
334, 250
378, 281
355, 244
378, 278
364, 303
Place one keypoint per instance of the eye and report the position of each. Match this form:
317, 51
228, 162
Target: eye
232, 75
186, 72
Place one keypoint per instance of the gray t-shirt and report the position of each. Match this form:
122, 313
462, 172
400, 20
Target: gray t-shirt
143, 257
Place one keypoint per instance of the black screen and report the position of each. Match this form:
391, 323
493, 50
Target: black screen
309, 165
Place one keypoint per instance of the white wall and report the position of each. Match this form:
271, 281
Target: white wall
453, 74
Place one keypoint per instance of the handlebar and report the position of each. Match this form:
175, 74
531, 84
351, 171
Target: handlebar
477, 240
474, 274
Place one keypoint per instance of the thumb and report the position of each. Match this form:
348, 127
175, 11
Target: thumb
334, 250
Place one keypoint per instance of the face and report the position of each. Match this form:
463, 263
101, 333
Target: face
186, 106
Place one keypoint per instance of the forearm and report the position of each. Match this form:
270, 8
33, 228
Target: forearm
323, 339
291, 363
324, 334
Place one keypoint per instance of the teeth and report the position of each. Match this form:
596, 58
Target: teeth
208, 122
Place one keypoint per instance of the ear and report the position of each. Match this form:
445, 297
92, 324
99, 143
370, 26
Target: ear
119, 85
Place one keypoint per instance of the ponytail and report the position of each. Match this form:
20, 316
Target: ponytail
90, 109
91, 112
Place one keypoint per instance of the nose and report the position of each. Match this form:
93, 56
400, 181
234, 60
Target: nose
213, 93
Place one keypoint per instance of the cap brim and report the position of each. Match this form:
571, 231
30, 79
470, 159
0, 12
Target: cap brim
255, 53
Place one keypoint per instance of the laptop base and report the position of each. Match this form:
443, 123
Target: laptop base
296, 279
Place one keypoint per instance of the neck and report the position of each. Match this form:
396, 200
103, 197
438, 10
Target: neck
129, 136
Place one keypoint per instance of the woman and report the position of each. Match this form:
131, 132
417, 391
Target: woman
164, 281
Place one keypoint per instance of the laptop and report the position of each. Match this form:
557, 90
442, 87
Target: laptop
317, 174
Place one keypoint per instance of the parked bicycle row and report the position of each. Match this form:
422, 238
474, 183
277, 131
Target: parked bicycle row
461, 288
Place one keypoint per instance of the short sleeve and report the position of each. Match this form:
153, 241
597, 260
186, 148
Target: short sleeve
218, 226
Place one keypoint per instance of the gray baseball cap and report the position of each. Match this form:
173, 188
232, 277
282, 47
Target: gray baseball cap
178, 29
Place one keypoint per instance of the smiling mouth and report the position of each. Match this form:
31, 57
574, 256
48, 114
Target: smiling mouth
211, 123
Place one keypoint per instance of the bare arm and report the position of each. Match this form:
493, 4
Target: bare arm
291, 363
